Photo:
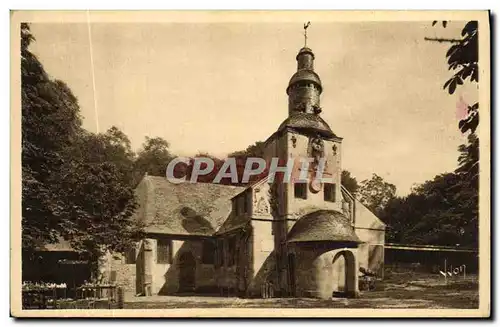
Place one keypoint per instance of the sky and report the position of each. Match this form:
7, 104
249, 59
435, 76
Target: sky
219, 87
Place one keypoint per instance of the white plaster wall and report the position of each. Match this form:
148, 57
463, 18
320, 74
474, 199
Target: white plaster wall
371, 230
263, 258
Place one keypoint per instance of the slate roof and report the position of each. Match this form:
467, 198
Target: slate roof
185, 208
305, 50
306, 75
232, 223
307, 122
321, 226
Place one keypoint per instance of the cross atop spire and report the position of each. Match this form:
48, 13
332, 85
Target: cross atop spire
305, 33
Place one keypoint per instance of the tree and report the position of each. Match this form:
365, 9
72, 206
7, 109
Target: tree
75, 184
438, 221
442, 211
349, 182
154, 157
376, 193
399, 214
467, 197
50, 124
463, 61
97, 186
255, 150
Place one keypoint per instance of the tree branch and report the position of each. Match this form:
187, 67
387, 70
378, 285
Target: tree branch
440, 40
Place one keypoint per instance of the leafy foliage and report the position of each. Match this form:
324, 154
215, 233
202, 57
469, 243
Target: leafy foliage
375, 193
443, 211
255, 150
463, 61
75, 184
98, 184
154, 157
50, 124
349, 182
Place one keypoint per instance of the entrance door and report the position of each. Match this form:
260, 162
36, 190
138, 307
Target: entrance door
187, 272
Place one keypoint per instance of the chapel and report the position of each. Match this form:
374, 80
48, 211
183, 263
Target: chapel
299, 239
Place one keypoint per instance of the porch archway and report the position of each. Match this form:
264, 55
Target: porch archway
344, 273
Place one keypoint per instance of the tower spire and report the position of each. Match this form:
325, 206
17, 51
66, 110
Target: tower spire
304, 88
306, 25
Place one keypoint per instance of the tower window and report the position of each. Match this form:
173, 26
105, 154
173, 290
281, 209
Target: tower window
300, 190
329, 194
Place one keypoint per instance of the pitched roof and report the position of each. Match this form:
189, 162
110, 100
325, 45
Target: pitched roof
185, 208
232, 223
303, 121
323, 225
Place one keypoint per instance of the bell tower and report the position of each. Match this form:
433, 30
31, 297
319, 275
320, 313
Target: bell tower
307, 136
303, 136
304, 88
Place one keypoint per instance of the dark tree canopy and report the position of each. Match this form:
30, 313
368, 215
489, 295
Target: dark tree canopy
50, 124
154, 157
375, 193
255, 150
442, 211
349, 182
76, 185
98, 188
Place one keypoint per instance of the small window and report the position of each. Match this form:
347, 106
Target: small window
208, 254
130, 256
329, 194
112, 276
164, 251
300, 190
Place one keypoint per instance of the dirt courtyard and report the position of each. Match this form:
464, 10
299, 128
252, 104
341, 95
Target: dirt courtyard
397, 290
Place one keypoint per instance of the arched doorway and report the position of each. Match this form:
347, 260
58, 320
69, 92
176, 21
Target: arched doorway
187, 272
344, 274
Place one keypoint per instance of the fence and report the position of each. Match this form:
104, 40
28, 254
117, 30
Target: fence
429, 259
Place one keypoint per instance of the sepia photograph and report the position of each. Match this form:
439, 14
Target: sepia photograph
250, 164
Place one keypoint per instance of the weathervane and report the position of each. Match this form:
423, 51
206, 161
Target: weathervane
305, 33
